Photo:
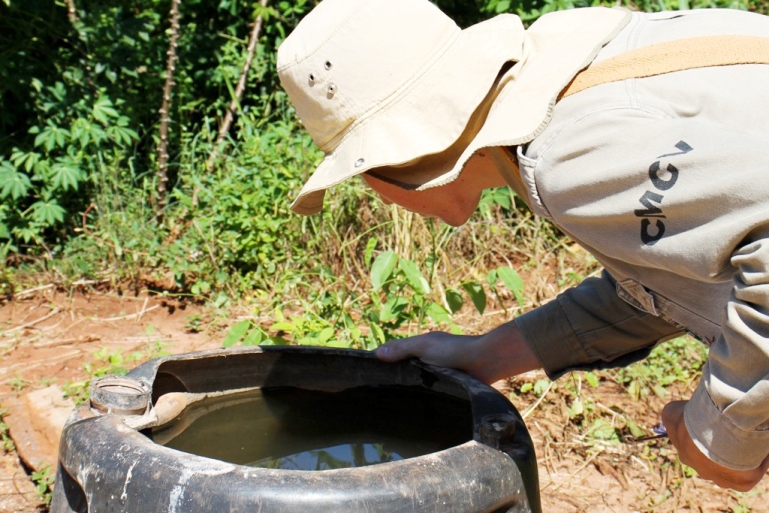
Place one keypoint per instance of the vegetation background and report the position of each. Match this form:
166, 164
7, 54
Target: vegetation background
118, 169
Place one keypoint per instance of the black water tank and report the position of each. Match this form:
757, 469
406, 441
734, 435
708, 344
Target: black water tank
109, 463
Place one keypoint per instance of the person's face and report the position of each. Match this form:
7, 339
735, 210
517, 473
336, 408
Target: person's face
452, 203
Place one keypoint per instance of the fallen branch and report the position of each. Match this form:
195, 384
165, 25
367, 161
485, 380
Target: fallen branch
239, 89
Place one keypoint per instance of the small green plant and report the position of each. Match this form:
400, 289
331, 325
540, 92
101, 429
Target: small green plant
5, 436
17, 384
107, 362
676, 361
43, 480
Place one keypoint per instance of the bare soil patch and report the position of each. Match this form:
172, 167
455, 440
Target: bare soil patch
48, 336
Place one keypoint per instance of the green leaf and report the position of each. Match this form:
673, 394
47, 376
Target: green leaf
283, 326
437, 313
576, 408
414, 277
591, 379
454, 300
376, 330
541, 386
103, 110
382, 269
325, 335
254, 338
47, 212
512, 281
477, 294
369, 252
527, 387
602, 430
393, 308
13, 183
636, 431
236, 333
66, 175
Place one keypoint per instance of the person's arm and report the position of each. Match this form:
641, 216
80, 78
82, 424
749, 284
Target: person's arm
586, 327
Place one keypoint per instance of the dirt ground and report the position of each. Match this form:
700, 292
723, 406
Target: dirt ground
49, 338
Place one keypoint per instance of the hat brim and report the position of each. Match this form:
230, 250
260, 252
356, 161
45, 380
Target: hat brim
429, 116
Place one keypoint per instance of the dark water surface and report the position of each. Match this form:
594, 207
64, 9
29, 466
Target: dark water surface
291, 428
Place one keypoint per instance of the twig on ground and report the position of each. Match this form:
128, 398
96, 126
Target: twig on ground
144, 307
131, 316
31, 291
541, 398
31, 324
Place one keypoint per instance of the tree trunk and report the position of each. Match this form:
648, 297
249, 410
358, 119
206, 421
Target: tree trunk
165, 110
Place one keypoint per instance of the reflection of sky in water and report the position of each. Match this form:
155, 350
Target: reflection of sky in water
339, 456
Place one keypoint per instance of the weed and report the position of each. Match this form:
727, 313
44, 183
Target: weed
17, 384
676, 361
43, 480
5, 437
108, 362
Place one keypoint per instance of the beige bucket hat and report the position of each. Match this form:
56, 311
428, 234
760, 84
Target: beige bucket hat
380, 83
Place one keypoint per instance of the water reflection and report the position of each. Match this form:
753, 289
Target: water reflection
340, 456
298, 429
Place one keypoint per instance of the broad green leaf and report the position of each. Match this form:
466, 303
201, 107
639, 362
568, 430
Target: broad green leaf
254, 338
376, 330
527, 387
12, 183
47, 212
492, 277
602, 430
25, 160
577, 407
437, 313
382, 269
541, 386
66, 175
283, 326
4, 233
325, 335
591, 379
392, 309
634, 429
236, 333
103, 110
454, 300
415, 278
477, 294
512, 281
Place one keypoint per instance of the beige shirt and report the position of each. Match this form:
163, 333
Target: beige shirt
666, 181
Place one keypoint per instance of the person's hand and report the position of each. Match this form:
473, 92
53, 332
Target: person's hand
499, 354
689, 454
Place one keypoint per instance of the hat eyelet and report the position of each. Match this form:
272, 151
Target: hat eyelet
328, 65
332, 89
359, 162
311, 79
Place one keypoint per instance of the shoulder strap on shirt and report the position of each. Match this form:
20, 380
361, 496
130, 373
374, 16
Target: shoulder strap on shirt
677, 55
